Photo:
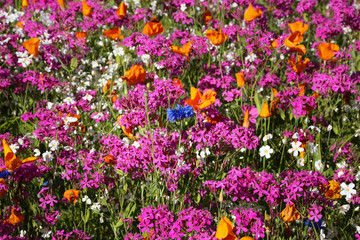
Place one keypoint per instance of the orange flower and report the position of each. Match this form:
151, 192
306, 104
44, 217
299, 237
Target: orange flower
247, 238
121, 11
292, 42
252, 13
154, 19
81, 35
178, 83
326, 50
206, 16
216, 37
153, 28
135, 75
298, 66
109, 159
32, 45
113, 33
74, 116
24, 4
302, 88
315, 95
62, 4
86, 9
333, 191
15, 218
127, 131
185, 50
290, 214
20, 24
11, 161
72, 195
199, 101
107, 86
274, 44
265, 111
3, 188
240, 79
298, 27
225, 230
246, 122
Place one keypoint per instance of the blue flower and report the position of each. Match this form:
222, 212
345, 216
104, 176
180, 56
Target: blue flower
4, 174
179, 113
317, 224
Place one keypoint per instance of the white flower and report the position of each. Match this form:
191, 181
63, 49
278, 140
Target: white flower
347, 190
37, 152
86, 199
313, 148
69, 100
68, 120
118, 51
88, 97
266, 151
342, 164
301, 162
344, 208
295, 136
22, 233
340, 173
329, 127
54, 145
47, 156
14, 147
250, 58
95, 206
267, 137
183, 7
145, 58
101, 219
20, 141
296, 148
319, 165
357, 177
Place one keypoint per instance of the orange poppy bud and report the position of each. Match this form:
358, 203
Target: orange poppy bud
225, 230
24, 4
265, 111
298, 66
32, 45
153, 28
252, 13
3, 190
290, 214
302, 88
333, 191
247, 238
113, 33
199, 101
15, 218
298, 27
206, 16
178, 83
216, 37
121, 11
135, 75
109, 159
72, 195
86, 9
62, 4
326, 50
20, 24
240, 79
185, 50
246, 122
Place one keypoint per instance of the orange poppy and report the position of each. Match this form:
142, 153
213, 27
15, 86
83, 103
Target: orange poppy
246, 122
252, 13
127, 131
265, 111
20, 24
298, 66
81, 36
200, 101
32, 45
298, 27
290, 214
327, 50
275, 92
72, 195
240, 79
11, 161
247, 238
216, 37
333, 191
24, 4
274, 44
121, 11
292, 42
107, 86
302, 88
315, 95
184, 50
3, 188
206, 16
153, 28
178, 83
86, 9
135, 75
113, 33
109, 159
225, 230
62, 4
15, 218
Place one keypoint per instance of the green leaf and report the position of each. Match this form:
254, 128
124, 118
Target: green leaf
257, 102
74, 63
64, 66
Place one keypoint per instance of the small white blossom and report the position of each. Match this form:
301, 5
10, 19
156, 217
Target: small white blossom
86, 199
329, 127
183, 7
14, 147
54, 145
347, 190
296, 148
95, 206
301, 162
319, 165
344, 209
267, 137
88, 97
37, 152
266, 151
47, 156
